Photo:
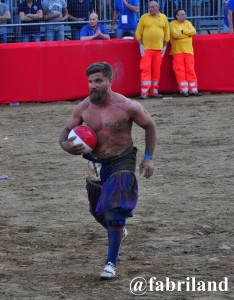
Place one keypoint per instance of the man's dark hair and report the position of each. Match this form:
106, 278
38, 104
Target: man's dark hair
100, 67
176, 12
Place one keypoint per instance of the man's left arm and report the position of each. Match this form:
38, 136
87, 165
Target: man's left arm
6, 16
189, 29
166, 32
65, 14
143, 119
37, 16
134, 8
230, 20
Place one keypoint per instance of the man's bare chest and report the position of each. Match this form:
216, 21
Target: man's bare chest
106, 120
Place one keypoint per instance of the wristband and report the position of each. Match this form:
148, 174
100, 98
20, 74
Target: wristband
148, 156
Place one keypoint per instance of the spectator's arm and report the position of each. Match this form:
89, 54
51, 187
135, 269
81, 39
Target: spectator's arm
166, 32
52, 16
24, 17
88, 37
115, 17
70, 17
189, 31
65, 14
131, 7
139, 31
103, 36
230, 20
6, 16
37, 16
175, 33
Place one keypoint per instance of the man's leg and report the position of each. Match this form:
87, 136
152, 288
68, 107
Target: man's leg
49, 34
119, 33
36, 37
155, 72
178, 62
60, 33
25, 38
94, 191
3, 38
191, 75
115, 236
75, 33
145, 66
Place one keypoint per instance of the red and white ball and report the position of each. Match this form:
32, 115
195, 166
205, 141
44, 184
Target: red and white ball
84, 135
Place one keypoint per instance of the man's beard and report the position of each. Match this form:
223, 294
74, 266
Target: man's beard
98, 97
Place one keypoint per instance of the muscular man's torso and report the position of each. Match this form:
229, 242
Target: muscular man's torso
112, 123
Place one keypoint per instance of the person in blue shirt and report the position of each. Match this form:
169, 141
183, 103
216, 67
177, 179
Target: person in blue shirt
225, 19
78, 10
5, 15
229, 20
30, 11
127, 11
54, 11
93, 30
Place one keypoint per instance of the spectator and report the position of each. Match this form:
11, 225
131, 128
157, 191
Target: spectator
4, 17
55, 11
172, 5
230, 16
105, 9
30, 11
207, 8
79, 10
152, 34
93, 30
127, 12
225, 17
183, 56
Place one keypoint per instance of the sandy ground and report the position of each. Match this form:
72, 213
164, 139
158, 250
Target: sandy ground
50, 246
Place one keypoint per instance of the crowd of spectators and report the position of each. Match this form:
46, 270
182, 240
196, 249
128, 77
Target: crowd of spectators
47, 19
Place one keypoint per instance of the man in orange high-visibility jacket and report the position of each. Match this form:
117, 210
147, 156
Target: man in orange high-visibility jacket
181, 32
153, 34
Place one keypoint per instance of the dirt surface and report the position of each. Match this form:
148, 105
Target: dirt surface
50, 246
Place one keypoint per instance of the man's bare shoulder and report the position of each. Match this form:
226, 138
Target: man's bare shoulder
127, 103
82, 105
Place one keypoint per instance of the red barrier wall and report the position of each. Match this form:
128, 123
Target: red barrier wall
52, 71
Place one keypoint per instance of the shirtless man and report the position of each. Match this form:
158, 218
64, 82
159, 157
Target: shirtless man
113, 192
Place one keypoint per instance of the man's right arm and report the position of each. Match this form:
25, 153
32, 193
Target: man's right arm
115, 17
67, 144
6, 16
230, 20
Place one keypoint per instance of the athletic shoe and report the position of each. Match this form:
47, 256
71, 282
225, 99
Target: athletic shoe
185, 94
109, 271
125, 233
196, 94
144, 97
156, 96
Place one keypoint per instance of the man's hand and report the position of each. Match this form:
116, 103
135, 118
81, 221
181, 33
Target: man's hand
147, 166
56, 15
71, 148
98, 32
164, 49
142, 50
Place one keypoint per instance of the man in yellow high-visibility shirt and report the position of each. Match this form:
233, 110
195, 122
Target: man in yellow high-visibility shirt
152, 34
181, 32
